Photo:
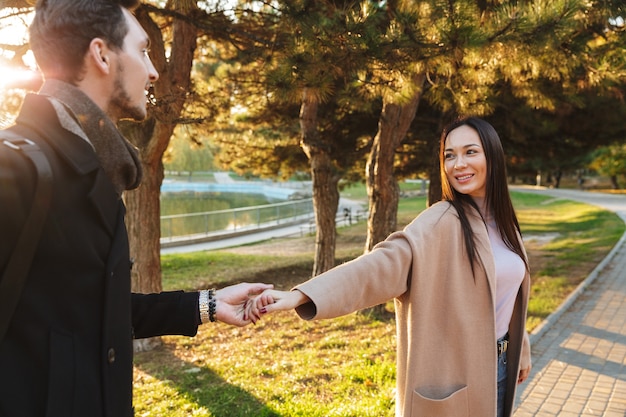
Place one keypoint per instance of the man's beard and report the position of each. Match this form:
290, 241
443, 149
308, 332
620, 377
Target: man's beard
121, 103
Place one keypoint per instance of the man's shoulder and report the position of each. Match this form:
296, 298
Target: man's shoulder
17, 185
15, 167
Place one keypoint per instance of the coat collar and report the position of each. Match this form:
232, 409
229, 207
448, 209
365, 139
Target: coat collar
483, 247
39, 114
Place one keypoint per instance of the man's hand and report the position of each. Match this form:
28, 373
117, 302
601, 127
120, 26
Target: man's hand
231, 302
272, 300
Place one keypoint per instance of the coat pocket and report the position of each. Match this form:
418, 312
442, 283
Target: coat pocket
452, 402
61, 377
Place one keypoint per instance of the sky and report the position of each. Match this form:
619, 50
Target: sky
13, 31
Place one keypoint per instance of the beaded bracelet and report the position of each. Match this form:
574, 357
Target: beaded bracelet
207, 304
212, 305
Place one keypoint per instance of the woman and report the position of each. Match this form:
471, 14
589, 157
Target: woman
460, 279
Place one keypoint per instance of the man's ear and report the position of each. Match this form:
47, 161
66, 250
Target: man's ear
98, 56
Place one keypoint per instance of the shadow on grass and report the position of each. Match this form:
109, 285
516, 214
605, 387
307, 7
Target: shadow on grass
382, 312
199, 385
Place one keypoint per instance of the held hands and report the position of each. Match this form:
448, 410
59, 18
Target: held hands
232, 302
273, 300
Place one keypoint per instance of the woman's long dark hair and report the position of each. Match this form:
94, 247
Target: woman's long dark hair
497, 197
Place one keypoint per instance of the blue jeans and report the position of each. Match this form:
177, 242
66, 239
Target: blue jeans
501, 383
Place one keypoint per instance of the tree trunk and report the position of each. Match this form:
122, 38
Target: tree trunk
614, 183
325, 203
144, 211
152, 137
434, 188
382, 188
325, 192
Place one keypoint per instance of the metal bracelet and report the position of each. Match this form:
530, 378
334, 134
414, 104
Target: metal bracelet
203, 306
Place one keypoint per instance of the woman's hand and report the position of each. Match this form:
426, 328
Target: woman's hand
232, 302
523, 375
273, 300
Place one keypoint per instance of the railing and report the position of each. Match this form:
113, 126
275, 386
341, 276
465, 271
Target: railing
213, 224
345, 217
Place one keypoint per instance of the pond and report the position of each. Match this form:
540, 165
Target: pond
204, 213
186, 202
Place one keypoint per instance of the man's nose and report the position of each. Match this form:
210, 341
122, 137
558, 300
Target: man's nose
153, 74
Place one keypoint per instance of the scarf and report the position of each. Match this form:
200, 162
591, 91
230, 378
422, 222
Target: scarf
79, 114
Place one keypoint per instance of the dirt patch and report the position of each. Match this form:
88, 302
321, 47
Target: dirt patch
349, 241
540, 239
282, 246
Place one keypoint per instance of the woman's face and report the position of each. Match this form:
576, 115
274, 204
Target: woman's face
465, 162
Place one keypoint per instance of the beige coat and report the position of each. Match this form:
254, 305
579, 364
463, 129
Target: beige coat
446, 359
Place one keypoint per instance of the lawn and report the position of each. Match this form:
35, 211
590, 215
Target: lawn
285, 366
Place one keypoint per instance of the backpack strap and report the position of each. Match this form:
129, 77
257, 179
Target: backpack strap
18, 266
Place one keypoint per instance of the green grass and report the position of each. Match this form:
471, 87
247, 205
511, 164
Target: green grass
359, 192
285, 366
280, 367
195, 270
581, 236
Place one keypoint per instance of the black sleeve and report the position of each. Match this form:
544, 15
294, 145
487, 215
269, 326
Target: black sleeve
166, 313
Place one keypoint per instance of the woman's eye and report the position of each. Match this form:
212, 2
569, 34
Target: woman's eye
448, 156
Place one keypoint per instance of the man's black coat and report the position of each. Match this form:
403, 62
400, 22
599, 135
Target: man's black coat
68, 350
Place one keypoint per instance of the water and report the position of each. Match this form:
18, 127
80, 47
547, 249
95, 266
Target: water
202, 213
187, 202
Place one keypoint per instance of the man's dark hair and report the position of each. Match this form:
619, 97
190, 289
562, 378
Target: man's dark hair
63, 29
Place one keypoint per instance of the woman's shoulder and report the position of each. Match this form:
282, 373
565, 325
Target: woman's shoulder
439, 214
439, 210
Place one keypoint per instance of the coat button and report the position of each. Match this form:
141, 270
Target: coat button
111, 355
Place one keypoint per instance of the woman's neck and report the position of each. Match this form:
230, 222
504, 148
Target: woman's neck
481, 203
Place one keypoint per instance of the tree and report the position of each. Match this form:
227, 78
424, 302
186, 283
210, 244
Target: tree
519, 66
152, 137
382, 187
188, 153
469, 69
610, 161
16, 4
317, 51
570, 100
333, 48
330, 151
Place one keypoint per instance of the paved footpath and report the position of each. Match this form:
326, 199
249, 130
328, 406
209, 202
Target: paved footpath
579, 353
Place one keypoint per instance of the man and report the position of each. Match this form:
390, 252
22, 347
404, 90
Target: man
68, 348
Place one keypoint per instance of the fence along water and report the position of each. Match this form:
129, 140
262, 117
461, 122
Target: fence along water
211, 225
